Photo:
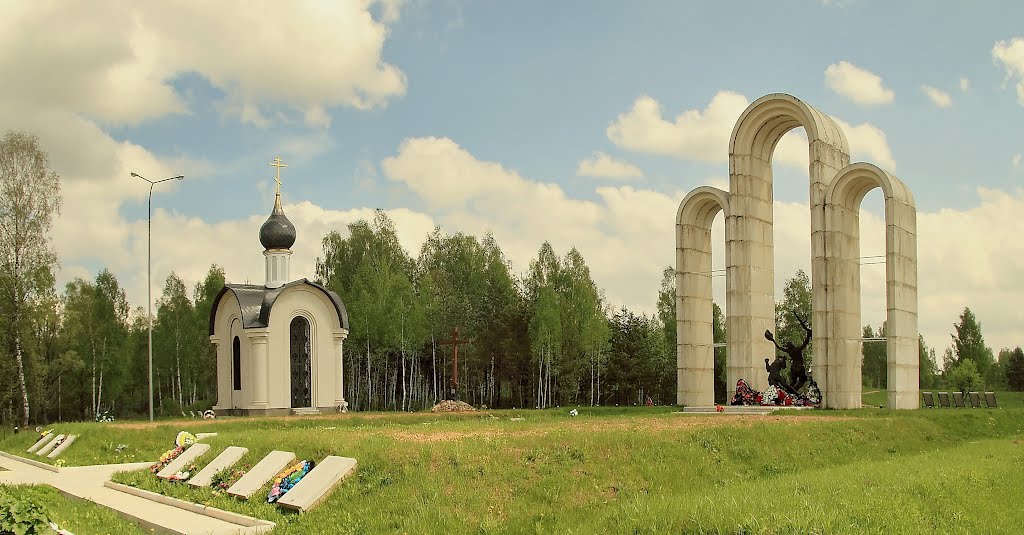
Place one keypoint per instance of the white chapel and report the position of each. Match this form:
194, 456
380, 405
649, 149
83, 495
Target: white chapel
279, 344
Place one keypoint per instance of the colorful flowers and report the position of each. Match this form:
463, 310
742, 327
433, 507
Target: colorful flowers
166, 458
287, 479
745, 395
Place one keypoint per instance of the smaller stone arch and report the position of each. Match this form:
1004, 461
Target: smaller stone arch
695, 361
840, 372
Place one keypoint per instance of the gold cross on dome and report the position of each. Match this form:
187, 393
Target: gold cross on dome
277, 163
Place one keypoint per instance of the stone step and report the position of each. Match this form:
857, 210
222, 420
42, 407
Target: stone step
63, 446
305, 411
225, 460
215, 521
49, 445
183, 460
315, 486
42, 440
264, 471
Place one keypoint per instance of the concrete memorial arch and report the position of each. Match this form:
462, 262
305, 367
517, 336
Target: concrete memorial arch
836, 191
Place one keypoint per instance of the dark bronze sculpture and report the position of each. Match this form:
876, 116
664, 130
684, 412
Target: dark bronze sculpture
775, 374
797, 373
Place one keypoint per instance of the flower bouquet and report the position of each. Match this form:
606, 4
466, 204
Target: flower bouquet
166, 458
287, 479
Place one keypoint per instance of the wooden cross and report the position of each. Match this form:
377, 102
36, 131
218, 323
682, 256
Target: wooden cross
454, 342
277, 163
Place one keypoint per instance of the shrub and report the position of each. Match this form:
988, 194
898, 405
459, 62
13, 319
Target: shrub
20, 516
965, 377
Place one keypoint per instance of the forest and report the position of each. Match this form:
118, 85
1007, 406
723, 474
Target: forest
546, 337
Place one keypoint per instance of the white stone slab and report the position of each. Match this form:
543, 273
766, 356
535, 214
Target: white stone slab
264, 471
315, 486
50, 445
201, 436
183, 460
63, 446
42, 441
225, 460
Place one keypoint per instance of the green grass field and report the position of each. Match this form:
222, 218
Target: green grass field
637, 470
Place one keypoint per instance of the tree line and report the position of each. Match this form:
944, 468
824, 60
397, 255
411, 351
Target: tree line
545, 337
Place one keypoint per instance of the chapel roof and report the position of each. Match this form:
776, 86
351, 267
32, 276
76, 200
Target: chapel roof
256, 302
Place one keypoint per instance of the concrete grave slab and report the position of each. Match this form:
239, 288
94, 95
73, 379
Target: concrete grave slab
50, 445
63, 446
201, 436
264, 471
183, 460
226, 459
318, 484
40, 443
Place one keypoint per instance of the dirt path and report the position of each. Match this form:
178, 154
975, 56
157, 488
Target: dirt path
643, 423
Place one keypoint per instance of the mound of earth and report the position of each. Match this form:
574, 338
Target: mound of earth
452, 406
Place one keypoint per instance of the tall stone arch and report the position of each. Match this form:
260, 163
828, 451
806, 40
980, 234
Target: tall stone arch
842, 366
750, 287
695, 358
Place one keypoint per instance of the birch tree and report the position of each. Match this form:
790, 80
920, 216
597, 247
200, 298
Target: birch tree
29, 200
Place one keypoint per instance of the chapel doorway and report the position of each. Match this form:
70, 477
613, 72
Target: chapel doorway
301, 378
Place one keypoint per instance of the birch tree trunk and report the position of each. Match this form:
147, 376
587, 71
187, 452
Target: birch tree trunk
99, 394
21, 377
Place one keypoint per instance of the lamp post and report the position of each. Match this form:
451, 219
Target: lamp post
149, 280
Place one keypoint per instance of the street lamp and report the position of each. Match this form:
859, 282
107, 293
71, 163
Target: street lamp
149, 281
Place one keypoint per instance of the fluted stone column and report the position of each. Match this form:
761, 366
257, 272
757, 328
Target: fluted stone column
339, 380
259, 339
904, 374
750, 284
223, 400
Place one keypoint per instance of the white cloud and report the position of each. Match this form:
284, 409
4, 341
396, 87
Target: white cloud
694, 134
703, 135
118, 64
857, 84
391, 10
965, 85
477, 195
867, 143
601, 165
938, 97
1016, 160
1010, 55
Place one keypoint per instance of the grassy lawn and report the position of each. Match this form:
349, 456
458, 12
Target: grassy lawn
642, 470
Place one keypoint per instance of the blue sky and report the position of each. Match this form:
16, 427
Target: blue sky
477, 115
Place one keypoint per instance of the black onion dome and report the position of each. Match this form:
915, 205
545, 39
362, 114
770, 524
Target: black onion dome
277, 232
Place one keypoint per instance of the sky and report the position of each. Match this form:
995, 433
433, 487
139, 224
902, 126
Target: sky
583, 123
